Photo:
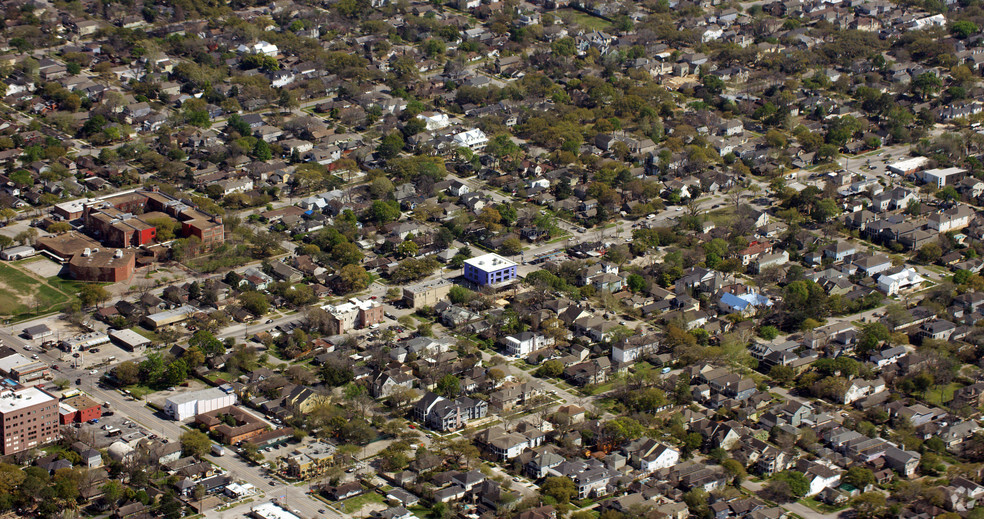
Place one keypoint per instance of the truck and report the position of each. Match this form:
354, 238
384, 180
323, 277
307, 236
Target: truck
218, 450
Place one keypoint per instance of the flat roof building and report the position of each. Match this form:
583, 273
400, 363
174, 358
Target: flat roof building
489, 269
39, 331
170, 316
110, 265
129, 340
28, 419
940, 177
426, 294
23, 370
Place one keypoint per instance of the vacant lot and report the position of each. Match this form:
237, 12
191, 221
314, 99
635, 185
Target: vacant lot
585, 20
22, 293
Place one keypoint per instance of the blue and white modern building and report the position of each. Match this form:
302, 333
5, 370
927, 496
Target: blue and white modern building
489, 269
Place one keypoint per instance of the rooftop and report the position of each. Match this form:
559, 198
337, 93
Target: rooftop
490, 261
11, 401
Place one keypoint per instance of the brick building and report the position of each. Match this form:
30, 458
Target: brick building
79, 409
353, 315
29, 419
102, 265
232, 424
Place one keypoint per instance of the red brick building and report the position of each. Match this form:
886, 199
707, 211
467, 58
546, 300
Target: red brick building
79, 409
28, 419
110, 265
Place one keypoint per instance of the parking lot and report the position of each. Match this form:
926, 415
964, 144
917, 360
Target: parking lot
110, 429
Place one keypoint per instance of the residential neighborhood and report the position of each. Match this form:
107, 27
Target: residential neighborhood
520, 259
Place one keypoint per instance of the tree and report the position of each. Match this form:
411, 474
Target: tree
262, 151
511, 246
354, 277
963, 28
383, 212
206, 343
449, 386
735, 470
783, 375
872, 334
127, 372
560, 488
859, 477
390, 145
92, 295
195, 443
869, 505
798, 484
929, 253
926, 84
550, 369
407, 249
254, 303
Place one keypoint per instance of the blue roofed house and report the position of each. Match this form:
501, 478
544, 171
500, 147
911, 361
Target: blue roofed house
744, 304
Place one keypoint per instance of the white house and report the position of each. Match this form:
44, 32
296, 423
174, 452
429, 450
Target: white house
951, 219
474, 139
862, 388
891, 284
263, 47
659, 458
434, 120
522, 344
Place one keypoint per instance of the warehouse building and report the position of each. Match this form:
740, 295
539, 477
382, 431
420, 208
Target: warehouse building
165, 318
189, 405
129, 340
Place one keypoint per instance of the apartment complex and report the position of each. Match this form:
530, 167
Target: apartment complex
489, 269
352, 315
29, 417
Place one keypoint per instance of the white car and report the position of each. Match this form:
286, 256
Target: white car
94, 372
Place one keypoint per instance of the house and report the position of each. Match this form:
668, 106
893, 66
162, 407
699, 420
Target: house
744, 304
442, 414
840, 251
904, 279
903, 462
344, 491
956, 217
648, 455
524, 343
629, 349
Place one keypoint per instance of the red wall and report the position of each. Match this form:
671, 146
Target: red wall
146, 236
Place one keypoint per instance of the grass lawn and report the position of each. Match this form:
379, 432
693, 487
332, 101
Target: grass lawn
823, 508
356, 503
942, 395
597, 389
586, 20
147, 333
140, 391
21, 293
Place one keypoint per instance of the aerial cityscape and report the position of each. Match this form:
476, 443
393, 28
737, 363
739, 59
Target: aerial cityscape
518, 259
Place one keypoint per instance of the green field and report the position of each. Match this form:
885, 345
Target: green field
352, 505
21, 293
940, 395
586, 20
